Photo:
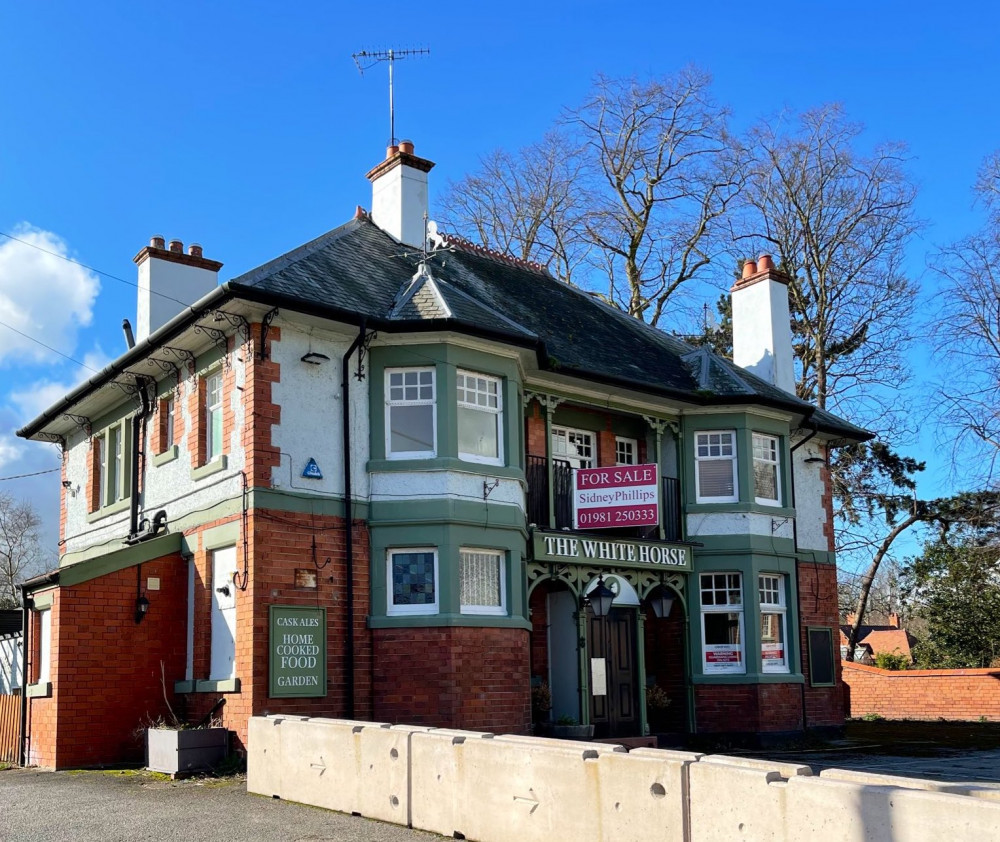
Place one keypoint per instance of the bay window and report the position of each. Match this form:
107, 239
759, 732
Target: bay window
482, 582
766, 482
722, 623
480, 418
410, 413
715, 467
412, 575
773, 641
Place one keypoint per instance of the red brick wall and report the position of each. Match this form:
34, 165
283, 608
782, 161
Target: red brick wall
665, 661
748, 708
538, 605
106, 668
534, 430
923, 694
818, 607
472, 678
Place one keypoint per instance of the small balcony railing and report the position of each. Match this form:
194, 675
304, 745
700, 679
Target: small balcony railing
562, 481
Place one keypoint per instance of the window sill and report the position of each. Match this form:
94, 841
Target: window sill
227, 685
447, 620
756, 508
444, 463
218, 464
750, 678
42, 690
107, 511
168, 455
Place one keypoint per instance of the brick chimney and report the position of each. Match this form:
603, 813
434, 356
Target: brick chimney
762, 336
894, 620
399, 194
169, 280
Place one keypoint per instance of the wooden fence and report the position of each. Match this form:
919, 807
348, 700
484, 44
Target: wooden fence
10, 728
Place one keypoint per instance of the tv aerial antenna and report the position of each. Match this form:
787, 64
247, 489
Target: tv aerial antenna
367, 59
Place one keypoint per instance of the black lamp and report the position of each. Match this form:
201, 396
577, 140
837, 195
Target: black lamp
662, 602
601, 597
141, 607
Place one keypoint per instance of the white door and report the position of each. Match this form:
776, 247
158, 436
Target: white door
223, 615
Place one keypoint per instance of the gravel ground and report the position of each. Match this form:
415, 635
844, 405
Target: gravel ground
39, 806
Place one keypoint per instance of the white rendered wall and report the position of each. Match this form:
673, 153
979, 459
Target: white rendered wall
437, 485
740, 523
184, 283
168, 486
312, 415
10, 665
762, 338
399, 202
809, 490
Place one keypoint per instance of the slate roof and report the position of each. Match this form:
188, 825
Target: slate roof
358, 269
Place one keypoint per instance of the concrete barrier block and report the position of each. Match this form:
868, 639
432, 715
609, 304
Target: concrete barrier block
900, 781
642, 798
529, 792
786, 770
581, 745
436, 778
736, 801
668, 754
821, 808
384, 772
320, 763
264, 755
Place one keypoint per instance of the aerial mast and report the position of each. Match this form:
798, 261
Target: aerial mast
369, 58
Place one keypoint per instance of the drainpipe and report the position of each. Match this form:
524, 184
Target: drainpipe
137, 425
795, 545
349, 516
22, 756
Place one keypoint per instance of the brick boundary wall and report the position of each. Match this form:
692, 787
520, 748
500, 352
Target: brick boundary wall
922, 694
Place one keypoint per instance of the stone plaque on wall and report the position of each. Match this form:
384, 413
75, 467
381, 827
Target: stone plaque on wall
297, 651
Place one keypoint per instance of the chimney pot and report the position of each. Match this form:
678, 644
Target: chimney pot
392, 150
764, 263
157, 241
176, 246
894, 620
194, 250
749, 268
406, 147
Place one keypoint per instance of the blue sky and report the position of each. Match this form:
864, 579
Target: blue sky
246, 127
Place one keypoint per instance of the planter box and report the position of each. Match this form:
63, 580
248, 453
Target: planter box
195, 750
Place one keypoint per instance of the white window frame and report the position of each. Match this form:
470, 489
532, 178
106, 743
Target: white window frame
627, 443
775, 443
389, 404
44, 647
112, 453
393, 610
497, 413
775, 586
169, 408
574, 460
734, 459
491, 610
726, 608
210, 409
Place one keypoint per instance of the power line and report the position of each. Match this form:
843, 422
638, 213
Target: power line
35, 474
91, 268
49, 347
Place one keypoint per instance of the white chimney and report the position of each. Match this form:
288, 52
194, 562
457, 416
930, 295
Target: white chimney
169, 281
399, 194
762, 335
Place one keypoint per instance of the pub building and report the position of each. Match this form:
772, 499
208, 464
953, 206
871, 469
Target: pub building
416, 481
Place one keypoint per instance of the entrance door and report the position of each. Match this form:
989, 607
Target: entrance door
613, 673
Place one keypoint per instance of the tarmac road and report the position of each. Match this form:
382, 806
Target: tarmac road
39, 806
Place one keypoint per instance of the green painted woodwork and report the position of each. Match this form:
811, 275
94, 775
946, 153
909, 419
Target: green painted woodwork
227, 685
42, 690
445, 463
225, 535
107, 511
41, 601
447, 509
112, 562
448, 621
737, 544
168, 455
217, 465
750, 678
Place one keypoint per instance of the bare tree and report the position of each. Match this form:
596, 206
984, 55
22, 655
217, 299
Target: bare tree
20, 552
967, 333
528, 205
838, 221
663, 174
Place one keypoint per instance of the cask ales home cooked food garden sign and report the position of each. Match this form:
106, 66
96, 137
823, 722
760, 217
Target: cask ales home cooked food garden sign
297, 648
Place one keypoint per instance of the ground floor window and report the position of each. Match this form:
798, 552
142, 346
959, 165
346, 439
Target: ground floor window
412, 575
482, 582
44, 668
773, 645
722, 623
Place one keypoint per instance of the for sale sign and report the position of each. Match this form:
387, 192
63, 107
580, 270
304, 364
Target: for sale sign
626, 495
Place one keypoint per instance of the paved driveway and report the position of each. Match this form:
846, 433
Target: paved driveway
37, 806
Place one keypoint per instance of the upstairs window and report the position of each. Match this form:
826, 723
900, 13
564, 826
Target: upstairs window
573, 446
773, 645
766, 481
715, 467
410, 413
168, 422
626, 451
110, 477
213, 416
480, 418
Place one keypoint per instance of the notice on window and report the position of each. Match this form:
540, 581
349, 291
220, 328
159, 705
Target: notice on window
297, 652
606, 498
599, 676
772, 652
723, 658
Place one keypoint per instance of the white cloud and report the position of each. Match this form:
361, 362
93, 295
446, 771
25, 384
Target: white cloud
42, 295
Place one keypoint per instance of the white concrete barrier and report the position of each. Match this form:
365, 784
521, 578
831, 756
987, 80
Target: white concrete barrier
731, 801
900, 781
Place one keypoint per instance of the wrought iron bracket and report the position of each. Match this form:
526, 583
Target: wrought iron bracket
82, 422
235, 321
165, 366
363, 353
181, 354
265, 326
